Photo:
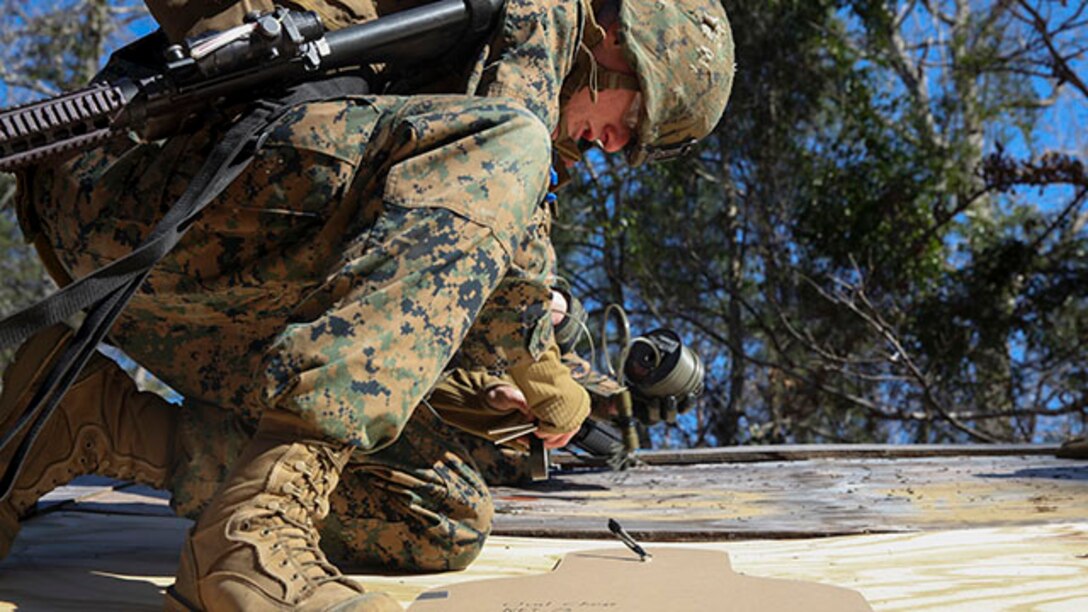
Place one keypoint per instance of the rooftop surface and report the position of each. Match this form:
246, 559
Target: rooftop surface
949, 528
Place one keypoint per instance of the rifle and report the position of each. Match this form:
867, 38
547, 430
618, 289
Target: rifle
173, 83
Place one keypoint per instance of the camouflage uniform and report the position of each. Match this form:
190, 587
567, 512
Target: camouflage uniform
423, 503
420, 504
338, 275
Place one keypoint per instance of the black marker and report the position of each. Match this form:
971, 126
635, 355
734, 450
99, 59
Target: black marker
626, 538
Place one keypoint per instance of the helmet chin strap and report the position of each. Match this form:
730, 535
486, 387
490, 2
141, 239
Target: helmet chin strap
594, 72
584, 72
567, 149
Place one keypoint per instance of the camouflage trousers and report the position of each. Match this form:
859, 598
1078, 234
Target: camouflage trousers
420, 504
338, 275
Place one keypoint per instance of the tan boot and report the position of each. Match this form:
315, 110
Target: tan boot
104, 425
255, 547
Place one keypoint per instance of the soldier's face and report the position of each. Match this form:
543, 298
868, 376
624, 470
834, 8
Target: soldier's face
609, 122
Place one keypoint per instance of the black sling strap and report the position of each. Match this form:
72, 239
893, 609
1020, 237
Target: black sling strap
105, 292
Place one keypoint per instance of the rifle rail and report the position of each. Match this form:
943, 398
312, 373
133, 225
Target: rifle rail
34, 131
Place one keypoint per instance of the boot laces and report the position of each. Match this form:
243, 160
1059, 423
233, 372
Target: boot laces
305, 498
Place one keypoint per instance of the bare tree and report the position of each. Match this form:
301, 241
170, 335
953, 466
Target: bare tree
881, 241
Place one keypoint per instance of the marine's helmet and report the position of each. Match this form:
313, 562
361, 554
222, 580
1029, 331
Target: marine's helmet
682, 52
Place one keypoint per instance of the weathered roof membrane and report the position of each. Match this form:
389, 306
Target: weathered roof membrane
979, 528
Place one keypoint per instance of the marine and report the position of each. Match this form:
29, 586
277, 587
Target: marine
421, 504
375, 242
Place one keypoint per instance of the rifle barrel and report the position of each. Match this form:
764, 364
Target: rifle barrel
400, 36
79, 119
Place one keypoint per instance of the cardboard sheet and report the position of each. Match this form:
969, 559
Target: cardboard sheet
615, 580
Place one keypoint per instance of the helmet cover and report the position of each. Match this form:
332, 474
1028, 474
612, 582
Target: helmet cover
682, 51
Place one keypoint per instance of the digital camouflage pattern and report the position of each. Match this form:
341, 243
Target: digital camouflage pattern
208, 441
338, 275
276, 238
520, 304
371, 239
421, 503
683, 54
601, 387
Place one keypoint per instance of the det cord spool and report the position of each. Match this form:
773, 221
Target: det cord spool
659, 365
656, 364
663, 377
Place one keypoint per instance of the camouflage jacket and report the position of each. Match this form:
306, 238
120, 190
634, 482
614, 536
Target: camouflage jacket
526, 60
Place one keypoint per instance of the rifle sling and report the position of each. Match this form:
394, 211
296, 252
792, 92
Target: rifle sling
105, 292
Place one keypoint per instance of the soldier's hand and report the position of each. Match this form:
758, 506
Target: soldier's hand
509, 397
559, 307
556, 440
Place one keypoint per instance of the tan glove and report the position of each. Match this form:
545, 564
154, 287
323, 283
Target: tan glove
479, 402
557, 401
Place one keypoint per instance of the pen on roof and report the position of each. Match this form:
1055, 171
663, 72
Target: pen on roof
626, 538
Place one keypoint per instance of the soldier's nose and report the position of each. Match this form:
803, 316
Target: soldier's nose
613, 139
